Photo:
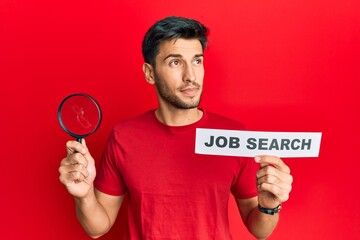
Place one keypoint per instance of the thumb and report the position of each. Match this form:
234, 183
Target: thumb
258, 160
83, 142
86, 154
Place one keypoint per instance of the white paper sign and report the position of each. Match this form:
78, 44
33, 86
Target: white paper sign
253, 143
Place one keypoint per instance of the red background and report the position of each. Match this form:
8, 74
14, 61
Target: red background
274, 65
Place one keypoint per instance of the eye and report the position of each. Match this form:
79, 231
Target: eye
198, 61
175, 63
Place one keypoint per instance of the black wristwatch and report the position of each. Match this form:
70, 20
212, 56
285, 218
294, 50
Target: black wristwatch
270, 211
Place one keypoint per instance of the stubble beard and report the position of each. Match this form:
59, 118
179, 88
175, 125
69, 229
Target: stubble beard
169, 97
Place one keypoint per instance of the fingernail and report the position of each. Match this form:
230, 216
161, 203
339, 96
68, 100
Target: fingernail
257, 159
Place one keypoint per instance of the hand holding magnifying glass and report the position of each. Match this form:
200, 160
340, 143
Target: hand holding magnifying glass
79, 115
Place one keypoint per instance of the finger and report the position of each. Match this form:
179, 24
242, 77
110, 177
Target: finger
75, 158
265, 160
65, 169
71, 178
74, 146
272, 172
279, 193
271, 179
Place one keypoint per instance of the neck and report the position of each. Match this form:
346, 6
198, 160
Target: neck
178, 117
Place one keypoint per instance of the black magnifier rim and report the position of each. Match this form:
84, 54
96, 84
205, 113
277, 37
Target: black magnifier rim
77, 136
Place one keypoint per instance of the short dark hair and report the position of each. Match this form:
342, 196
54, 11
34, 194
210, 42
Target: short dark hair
171, 28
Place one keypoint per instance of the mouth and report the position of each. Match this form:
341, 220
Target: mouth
190, 91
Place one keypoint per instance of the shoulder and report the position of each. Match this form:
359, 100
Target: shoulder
215, 120
140, 121
135, 126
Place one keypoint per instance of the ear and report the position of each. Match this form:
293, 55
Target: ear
149, 73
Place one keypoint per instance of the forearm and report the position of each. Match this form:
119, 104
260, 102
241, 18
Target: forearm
92, 215
261, 225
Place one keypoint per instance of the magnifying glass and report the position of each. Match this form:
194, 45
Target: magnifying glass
79, 115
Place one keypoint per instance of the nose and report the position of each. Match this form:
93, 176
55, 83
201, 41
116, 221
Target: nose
189, 74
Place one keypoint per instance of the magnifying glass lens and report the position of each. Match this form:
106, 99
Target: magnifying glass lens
79, 115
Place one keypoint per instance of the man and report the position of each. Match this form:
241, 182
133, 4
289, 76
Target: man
173, 193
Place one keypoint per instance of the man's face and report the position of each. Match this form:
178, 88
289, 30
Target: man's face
179, 73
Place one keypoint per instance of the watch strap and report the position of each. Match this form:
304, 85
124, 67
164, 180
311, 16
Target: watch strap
270, 211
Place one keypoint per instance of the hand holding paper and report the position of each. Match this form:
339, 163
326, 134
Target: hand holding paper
274, 181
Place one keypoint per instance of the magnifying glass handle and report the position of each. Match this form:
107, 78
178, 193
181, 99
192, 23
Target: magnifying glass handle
78, 140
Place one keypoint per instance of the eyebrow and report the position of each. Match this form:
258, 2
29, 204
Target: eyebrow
179, 56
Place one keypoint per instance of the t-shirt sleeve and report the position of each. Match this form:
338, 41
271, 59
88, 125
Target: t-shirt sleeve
108, 177
244, 185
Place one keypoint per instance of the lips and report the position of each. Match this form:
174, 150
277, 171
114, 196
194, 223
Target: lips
189, 90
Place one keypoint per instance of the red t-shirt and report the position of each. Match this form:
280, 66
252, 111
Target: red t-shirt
173, 193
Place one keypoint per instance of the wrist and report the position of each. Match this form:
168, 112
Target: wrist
270, 211
267, 202
89, 197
